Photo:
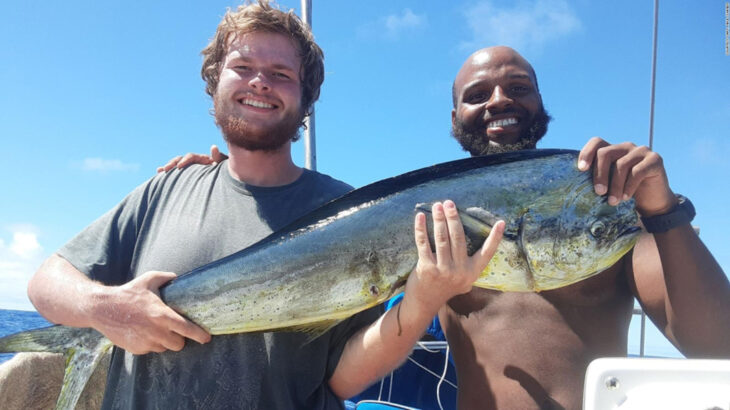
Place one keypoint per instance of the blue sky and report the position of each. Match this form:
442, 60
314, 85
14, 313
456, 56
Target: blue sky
97, 94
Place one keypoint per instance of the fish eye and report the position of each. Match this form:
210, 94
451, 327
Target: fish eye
598, 229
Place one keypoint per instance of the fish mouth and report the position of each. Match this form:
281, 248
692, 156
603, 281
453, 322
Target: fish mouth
630, 231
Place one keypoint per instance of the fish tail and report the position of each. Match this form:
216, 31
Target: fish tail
82, 348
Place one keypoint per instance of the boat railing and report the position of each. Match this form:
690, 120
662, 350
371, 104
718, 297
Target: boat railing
642, 335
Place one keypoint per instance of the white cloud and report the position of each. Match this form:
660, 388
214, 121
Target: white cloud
524, 25
105, 165
18, 261
25, 244
393, 26
407, 21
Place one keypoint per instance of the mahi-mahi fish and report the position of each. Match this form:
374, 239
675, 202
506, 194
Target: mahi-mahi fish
358, 250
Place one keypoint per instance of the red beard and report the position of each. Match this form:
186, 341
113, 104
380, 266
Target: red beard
237, 131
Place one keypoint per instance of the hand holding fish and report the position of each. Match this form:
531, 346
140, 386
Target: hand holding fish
449, 271
436, 279
625, 170
134, 317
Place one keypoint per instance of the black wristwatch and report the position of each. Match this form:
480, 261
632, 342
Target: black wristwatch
682, 213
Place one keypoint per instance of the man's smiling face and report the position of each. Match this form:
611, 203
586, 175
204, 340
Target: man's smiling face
258, 98
497, 104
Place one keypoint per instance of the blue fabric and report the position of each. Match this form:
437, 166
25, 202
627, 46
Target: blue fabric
414, 387
434, 329
411, 385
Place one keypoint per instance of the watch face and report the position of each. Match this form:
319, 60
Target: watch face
686, 205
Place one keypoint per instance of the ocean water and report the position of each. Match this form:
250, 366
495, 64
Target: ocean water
12, 321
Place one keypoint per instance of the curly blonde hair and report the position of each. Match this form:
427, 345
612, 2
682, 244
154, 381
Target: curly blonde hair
261, 16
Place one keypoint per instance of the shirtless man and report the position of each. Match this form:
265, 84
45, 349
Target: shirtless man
531, 350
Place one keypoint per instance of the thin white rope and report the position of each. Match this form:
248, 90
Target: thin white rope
380, 393
424, 347
390, 387
431, 372
443, 377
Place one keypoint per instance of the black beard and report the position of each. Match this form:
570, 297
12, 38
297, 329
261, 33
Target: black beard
236, 131
473, 139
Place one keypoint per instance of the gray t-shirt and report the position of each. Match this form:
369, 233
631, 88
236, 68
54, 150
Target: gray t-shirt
176, 222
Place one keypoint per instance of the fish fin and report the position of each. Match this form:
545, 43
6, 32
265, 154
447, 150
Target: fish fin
481, 215
80, 365
477, 224
314, 330
83, 348
54, 339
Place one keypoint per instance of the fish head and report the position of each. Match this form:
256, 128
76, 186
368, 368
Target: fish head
574, 234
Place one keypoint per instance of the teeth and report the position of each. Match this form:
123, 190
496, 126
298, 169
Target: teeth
257, 104
502, 123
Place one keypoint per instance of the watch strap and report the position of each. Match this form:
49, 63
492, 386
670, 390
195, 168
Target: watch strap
681, 214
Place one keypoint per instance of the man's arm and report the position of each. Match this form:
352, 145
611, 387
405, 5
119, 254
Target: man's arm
684, 291
377, 349
132, 315
673, 275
